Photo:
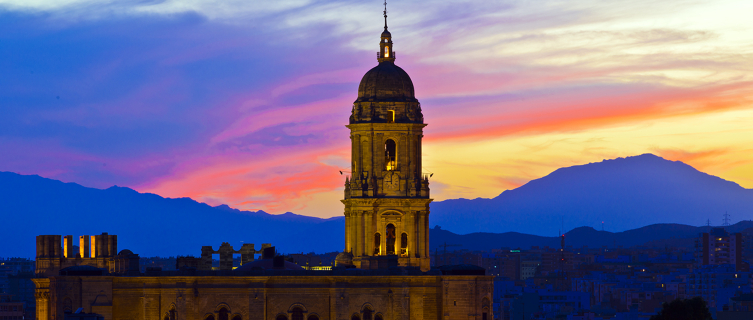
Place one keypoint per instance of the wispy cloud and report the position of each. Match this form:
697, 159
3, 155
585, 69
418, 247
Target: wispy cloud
245, 103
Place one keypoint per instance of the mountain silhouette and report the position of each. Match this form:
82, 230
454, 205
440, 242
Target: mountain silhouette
654, 236
625, 193
651, 199
146, 223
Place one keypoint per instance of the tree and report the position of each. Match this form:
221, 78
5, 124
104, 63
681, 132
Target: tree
684, 309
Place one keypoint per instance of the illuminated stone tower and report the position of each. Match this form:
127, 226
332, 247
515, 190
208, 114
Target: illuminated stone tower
387, 196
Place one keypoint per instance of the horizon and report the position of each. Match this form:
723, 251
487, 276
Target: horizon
168, 98
70, 208
290, 212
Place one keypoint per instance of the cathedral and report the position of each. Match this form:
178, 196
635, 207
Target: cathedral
384, 271
387, 198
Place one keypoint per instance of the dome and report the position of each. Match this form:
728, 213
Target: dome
344, 259
386, 82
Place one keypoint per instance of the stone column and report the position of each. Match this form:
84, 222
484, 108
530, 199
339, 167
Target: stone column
68, 247
425, 228
83, 246
416, 236
410, 220
347, 231
369, 232
359, 234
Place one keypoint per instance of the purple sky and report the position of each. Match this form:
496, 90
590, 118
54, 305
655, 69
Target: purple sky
245, 103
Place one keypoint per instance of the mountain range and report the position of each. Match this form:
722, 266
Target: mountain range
627, 193
624, 193
655, 236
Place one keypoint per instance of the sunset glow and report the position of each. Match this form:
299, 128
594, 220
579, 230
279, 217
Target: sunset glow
233, 103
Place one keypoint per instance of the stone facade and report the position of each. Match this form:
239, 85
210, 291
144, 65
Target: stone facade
326, 295
98, 251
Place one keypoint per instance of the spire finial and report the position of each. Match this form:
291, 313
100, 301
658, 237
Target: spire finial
385, 14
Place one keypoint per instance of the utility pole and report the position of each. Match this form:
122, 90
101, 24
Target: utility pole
561, 276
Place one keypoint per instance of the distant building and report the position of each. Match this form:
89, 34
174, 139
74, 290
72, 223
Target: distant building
717, 284
741, 308
11, 310
12, 266
719, 247
528, 266
16, 285
21, 289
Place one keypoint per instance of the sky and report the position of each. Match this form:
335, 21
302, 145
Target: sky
245, 103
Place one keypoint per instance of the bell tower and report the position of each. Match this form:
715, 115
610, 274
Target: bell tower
387, 196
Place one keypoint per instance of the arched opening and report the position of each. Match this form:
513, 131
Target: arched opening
404, 244
355, 317
223, 314
377, 244
171, 313
485, 309
390, 150
67, 305
209, 317
281, 317
367, 313
167, 317
237, 317
313, 317
297, 314
390, 237
386, 51
378, 317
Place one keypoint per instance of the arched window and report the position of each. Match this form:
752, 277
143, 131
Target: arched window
171, 313
404, 244
377, 244
390, 150
222, 315
237, 317
378, 317
355, 317
209, 317
281, 317
297, 314
313, 317
386, 51
367, 313
390, 237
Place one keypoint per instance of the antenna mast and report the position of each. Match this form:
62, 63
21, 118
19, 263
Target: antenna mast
726, 219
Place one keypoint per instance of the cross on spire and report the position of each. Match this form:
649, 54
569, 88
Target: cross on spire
385, 14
